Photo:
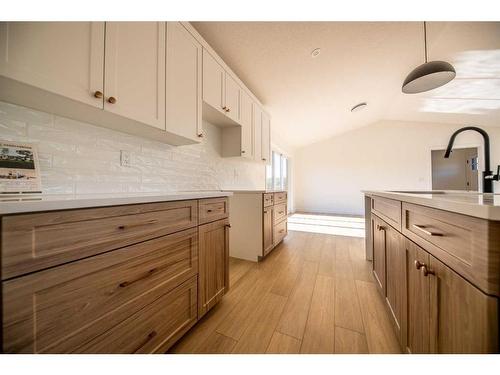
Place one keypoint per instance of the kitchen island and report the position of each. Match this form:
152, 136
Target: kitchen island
436, 261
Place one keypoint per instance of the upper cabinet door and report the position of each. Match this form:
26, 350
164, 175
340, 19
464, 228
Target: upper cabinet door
232, 98
213, 79
134, 82
246, 121
266, 138
66, 58
257, 132
184, 80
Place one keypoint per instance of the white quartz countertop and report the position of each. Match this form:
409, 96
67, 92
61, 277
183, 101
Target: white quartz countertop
484, 206
13, 204
236, 191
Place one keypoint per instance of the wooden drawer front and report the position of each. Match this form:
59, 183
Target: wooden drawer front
469, 245
268, 199
57, 309
280, 212
213, 209
388, 209
37, 241
280, 231
154, 328
280, 197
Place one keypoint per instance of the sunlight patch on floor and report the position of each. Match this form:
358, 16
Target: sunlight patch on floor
328, 224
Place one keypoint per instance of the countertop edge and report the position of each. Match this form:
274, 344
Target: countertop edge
33, 206
470, 209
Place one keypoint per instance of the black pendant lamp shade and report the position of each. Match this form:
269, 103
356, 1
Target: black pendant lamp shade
429, 75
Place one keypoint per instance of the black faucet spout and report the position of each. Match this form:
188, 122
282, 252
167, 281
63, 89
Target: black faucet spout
488, 176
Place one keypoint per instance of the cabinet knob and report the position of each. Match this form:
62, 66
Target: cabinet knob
228, 225
224, 108
242, 151
422, 266
98, 94
228, 110
200, 135
112, 100
380, 227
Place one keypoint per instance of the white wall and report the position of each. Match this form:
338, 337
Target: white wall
76, 157
388, 155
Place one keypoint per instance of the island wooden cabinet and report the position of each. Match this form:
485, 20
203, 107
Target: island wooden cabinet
388, 270
435, 307
120, 279
213, 278
418, 297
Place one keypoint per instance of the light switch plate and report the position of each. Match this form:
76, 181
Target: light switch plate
124, 158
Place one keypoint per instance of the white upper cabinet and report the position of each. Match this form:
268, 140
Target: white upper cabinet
65, 58
257, 132
231, 98
134, 83
246, 120
213, 82
266, 138
184, 83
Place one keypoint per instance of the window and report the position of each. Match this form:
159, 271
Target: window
277, 172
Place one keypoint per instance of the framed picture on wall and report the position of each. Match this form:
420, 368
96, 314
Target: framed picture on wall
19, 168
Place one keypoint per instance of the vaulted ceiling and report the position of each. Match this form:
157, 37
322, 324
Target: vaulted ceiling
310, 98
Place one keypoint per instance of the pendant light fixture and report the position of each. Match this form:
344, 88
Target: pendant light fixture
429, 75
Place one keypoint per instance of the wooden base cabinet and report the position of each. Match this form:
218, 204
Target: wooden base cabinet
446, 313
267, 221
152, 273
388, 270
259, 223
436, 307
213, 277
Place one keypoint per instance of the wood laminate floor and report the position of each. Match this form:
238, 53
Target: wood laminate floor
313, 294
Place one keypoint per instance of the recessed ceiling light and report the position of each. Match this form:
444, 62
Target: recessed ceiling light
316, 52
359, 107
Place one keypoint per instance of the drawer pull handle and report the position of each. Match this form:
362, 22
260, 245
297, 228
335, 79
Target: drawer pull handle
281, 212
209, 210
419, 265
281, 231
228, 225
145, 276
422, 229
137, 224
151, 335
380, 227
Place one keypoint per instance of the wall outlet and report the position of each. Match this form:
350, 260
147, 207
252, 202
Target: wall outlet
124, 158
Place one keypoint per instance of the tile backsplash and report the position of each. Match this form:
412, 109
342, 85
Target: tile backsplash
77, 157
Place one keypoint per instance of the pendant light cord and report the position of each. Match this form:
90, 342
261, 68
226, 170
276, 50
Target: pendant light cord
425, 40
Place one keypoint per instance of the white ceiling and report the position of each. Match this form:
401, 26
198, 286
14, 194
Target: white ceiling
310, 98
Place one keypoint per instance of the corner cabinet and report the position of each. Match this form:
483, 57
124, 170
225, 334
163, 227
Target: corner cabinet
213, 278
436, 307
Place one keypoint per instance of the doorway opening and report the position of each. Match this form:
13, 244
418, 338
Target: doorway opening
458, 172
